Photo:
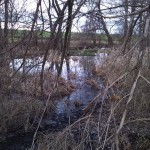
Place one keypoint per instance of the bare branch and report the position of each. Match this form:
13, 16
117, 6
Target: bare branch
131, 14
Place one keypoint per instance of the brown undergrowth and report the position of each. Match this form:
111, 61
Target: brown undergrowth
119, 115
18, 115
30, 85
20, 107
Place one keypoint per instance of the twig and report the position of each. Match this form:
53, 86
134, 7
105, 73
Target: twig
139, 119
113, 108
48, 99
100, 94
131, 14
70, 126
145, 79
125, 111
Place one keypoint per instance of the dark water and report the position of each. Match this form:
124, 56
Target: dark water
66, 111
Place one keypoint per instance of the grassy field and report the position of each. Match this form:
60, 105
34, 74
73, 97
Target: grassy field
76, 36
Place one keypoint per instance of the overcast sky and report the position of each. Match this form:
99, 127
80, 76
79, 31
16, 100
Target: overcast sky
30, 6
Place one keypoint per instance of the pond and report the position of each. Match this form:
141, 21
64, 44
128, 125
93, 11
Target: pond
69, 108
80, 67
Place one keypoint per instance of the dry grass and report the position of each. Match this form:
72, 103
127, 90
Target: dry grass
107, 111
31, 85
93, 84
19, 115
48, 142
99, 132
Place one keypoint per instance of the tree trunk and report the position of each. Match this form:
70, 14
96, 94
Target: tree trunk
110, 40
6, 23
4, 63
125, 18
129, 32
1, 36
52, 43
67, 34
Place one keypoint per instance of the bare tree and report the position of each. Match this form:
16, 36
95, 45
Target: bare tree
110, 40
96, 21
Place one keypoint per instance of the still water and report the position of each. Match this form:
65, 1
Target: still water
80, 67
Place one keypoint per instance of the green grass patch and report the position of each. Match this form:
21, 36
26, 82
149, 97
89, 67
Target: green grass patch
22, 33
85, 52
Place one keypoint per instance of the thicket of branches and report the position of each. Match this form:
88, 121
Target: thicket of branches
46, 30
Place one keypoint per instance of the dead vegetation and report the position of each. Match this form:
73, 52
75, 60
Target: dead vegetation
93, 84
31, 85
122, 106
19, 115
77, 103
118, 117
